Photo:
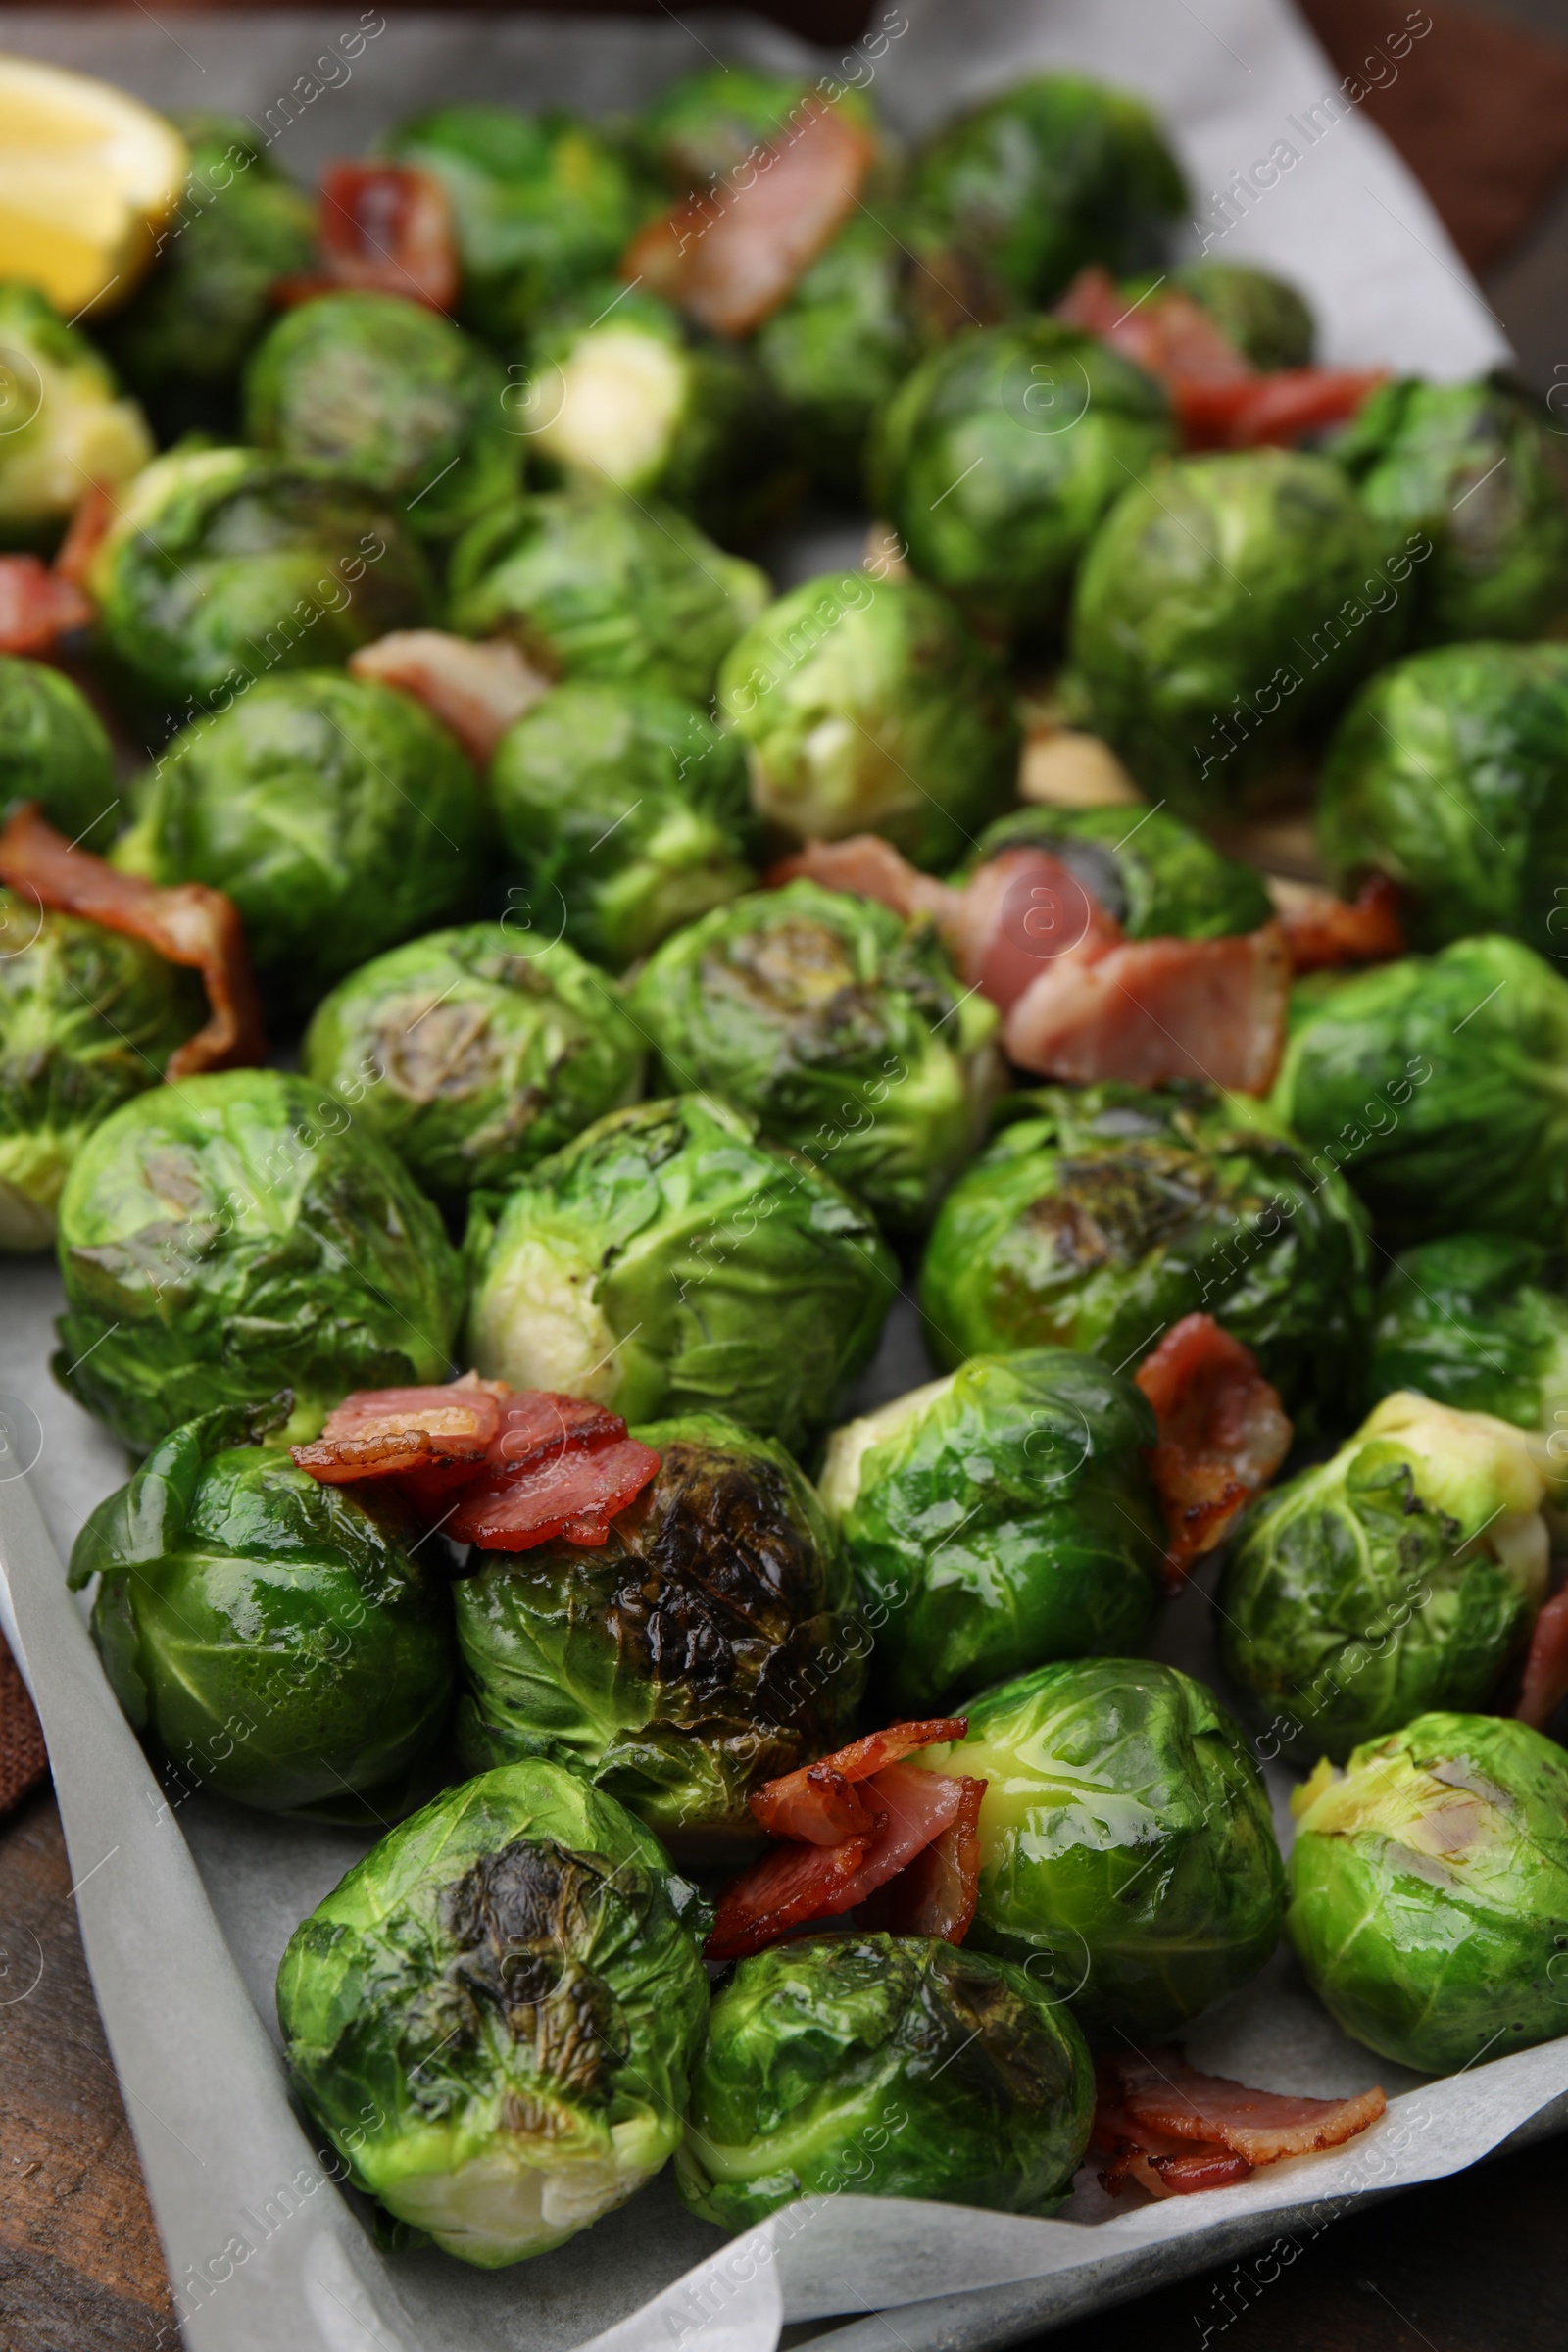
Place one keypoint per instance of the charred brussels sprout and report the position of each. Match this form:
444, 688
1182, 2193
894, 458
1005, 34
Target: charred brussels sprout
1104, 1214
475, 1053
1158, 877
1474, 469
842, 1027
238, 1234
868, 707
184, 337
272, 1638
1446, 774
1057, 172
539, 202
1265, 319
840, 345
335, 812
1429, 1890
53, 750
593, 585
494, 2016
1479, 1321
88, 1019
671, 1261
65, 425
999, 1519
707, 1647
892, 2066
1439, 1085
223, 566
997, 456
628, 812
1127, 1854
1223, 615
391, 395
1402, 1574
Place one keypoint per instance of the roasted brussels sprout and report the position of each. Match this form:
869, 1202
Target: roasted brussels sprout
66, 426
996, 1520
272, 1638
1265, 319
182, 340
475, 1053
868, 707
1223, 615
1473, 467
890, 2066
238, 1234
593, 585
88, 1019
1436, 1084
1480, 1321
390, 394
53, 750
840, 345
671, 1261
1155, 875
628, 812
1446, 774
224, 564
997, 457
539, 202
1055, 172
337, 813
708, 1648
494, 2016
1104, 1214
1404, 1573
842, 1027
1429, 1890
1127, 1852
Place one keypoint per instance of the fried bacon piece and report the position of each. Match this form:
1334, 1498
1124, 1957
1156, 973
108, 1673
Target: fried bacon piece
1545, 1682
1322, 931
729, 254
88, 528
384, 1432
1154, 1010
865, 866
476, 689
1272, 409
936, 1893
1166, 333
384, 226
184, 921
38, 607
1174, 2131
1223, 1433
573, 1492
822, 1803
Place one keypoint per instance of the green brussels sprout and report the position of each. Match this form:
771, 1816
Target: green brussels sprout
494, 2016
237, 1234
1222, 613
841, 1026
1104, 1214
224, 564
670, 1260
995, 460
335, 812
539, 202
1127, 1852
1265, 319
1055, 172
1436, 1084
66, 425
591, 584
892, 2066
999, 1519
706, 1648
390, 394
1429, 1891
628, 812
1446, 774
706, 124
1404, 1573
182, 340
868, 707
1157, 876
88, 1019
273, 1640
1479, 1321
474, 1053
1473, 467
840, 345
53, 750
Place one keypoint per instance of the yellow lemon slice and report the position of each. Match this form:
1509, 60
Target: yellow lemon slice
86, 175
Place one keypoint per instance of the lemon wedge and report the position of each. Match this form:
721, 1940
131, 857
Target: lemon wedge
87, 177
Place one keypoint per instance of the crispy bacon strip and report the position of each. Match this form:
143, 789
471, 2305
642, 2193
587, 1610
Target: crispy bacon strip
1173, 2129
1322, 931
572, 1492
1154, 1010
477, 690
1167, 333
1272, 409
936, 1893
1223, 1433
1022, 914
1546, 1682
865, 866
381, 1433
730, 255
811, 1800
38, 607
88, 528
184, 921
384, 227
